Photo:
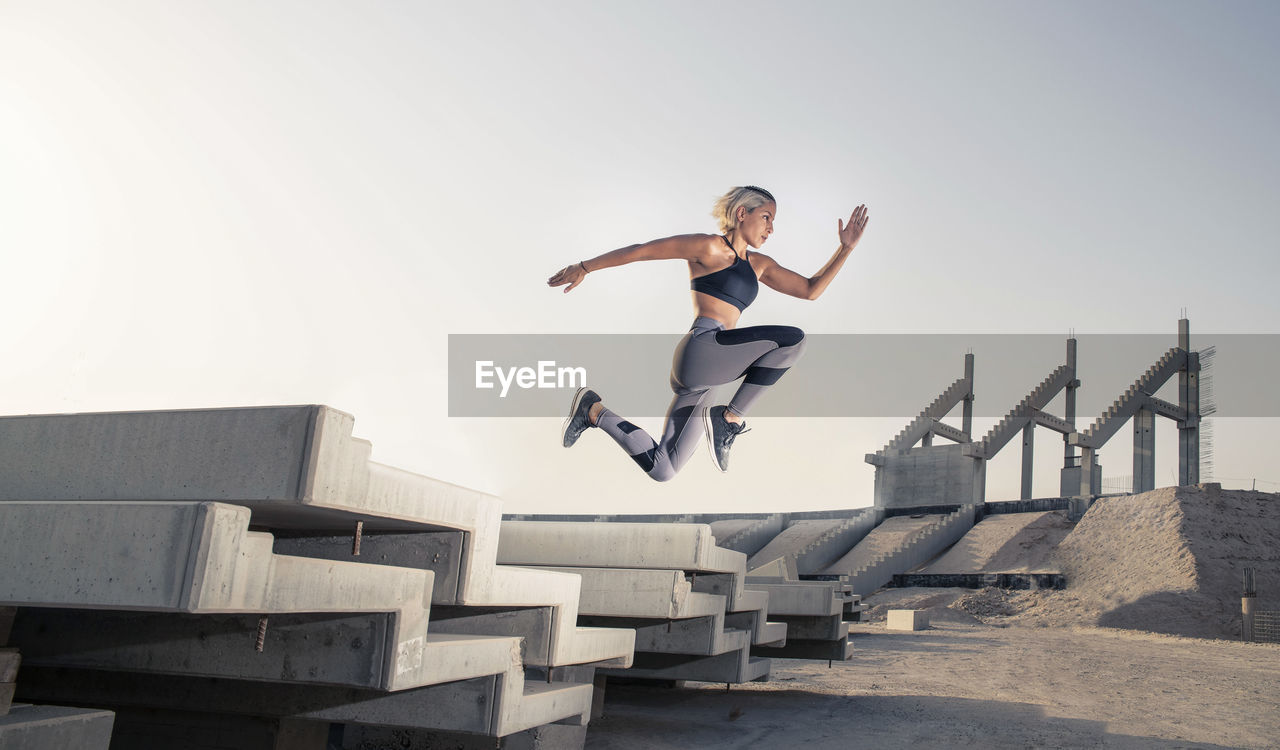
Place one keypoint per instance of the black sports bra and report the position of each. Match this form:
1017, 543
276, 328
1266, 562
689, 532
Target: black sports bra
736, 284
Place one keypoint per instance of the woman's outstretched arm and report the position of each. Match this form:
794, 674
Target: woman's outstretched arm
690, 247
784, 280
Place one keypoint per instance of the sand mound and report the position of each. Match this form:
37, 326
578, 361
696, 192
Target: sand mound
1166, 561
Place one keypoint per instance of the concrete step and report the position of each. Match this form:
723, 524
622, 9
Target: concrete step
28, 727
731, 667
801, 598
301, 473
660, 594
651, 546
344, 649
492, 705
197, 558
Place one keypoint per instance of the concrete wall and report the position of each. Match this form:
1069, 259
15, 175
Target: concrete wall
929, 475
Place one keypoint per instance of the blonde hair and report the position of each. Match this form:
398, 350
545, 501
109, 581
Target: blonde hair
725, 211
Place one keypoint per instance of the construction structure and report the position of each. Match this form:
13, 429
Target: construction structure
250, 572
913, 472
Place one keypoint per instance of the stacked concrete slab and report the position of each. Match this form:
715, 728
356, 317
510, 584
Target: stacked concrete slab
373, 592
685, 597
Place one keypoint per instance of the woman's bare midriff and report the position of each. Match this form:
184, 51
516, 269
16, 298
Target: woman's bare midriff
706, 306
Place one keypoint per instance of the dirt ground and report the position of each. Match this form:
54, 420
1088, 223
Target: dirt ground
974, 685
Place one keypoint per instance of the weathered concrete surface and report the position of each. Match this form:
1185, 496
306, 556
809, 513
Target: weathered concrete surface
889, 536
29, 727
813, 544
201, 558
620, 592
802, 597
297, 468
549, 737
745, 535
731, 667
688, 547
495, 705
437, 551
907, 619
1006, 543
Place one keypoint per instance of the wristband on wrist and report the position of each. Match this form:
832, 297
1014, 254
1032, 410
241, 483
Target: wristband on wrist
584, 267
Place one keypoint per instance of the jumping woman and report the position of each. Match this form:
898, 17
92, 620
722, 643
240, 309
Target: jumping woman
724, 275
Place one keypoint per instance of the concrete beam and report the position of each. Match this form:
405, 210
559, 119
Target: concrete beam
1046, 419
947, 431
495, 705
652, 546
1144, 450
29, 727
1166, 409
299, 470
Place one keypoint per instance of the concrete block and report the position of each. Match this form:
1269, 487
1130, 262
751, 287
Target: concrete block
662, 594
731, 667
907, 619
801, 597
29, 727
147, 729
700, 635
438, 551
652, 546
325, 649
549, 737
299, 470
838, 650
814, 628
495, 705
200, 558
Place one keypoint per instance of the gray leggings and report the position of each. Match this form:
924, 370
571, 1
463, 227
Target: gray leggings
707, 356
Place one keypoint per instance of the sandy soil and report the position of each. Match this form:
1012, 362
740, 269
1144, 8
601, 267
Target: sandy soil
974, 686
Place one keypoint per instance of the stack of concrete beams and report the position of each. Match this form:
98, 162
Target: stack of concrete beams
900, 544
685, 597
817, 615
202, 561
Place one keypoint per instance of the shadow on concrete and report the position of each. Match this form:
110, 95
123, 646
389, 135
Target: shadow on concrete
667, 718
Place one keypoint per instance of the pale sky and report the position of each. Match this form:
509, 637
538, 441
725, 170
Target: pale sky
239, 203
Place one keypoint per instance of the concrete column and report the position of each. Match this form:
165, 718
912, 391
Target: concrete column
1189, 431
966, 423
1069, 451
1088, 458
1028, 452
1144, 450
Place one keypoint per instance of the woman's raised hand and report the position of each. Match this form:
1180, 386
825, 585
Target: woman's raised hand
571, 275
850, 233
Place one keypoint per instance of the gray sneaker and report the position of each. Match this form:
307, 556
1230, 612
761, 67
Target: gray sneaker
579, 415
720, 434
